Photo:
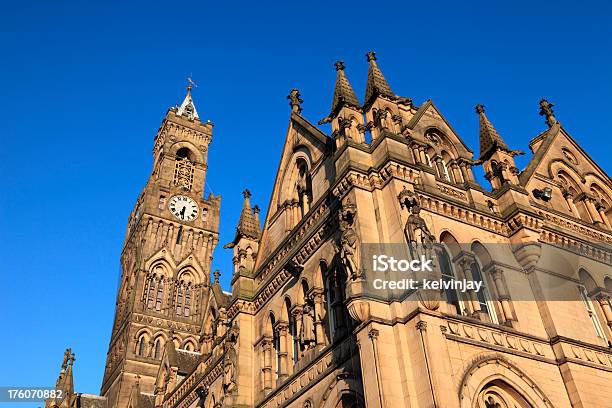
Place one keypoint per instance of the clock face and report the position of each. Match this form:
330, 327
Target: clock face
183, 208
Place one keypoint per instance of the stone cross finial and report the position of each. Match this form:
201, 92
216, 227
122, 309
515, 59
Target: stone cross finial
371, 56
546, 110
216, 274
480, 108
246, 193
256, 209
339, 65
66, 357
295, 100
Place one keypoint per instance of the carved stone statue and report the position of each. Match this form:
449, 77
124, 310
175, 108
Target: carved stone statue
546, 110
229, 361
295, 100
307, 332
420, 239
348, 243
221, 322
229, 383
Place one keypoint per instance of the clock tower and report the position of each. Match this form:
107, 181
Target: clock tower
166, 258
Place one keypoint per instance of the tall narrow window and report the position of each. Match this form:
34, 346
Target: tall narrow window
179, 236
179, 299
448, 275
187, 308
140, 348
304, 186
484, 296
157, 349
160, 294
591, 311
330, 294
295, 343
151, 292
183, 171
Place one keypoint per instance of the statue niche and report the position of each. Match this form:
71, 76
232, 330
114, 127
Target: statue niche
307, 329
229, 360
421, 242
347, 247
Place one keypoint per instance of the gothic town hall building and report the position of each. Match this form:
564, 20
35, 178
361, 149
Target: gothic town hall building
298, 327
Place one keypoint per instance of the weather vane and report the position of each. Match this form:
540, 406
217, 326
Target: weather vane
191, 82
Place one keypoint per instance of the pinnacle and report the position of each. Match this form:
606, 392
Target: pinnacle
376, 84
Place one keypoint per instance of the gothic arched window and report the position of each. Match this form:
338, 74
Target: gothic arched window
303, 186
160, 294
483, 295
179, 299
183, 170
587, 283
150, 292
158, 346
140, 346
448, 274
187, 308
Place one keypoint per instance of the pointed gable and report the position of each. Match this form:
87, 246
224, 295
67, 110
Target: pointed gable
555, 149
302, 141
427, 116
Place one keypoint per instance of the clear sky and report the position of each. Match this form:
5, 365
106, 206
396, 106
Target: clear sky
84, 88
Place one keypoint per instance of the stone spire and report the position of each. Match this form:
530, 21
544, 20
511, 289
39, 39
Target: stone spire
344, 95
64, 382
68, 386
248, 225
376, 84
187, 108
490, 140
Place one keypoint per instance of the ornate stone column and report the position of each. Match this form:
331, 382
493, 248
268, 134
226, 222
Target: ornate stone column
317, 297
606, 307
503, 297
440, 167
465, 261
589, 203
422, 154
266, 346
281, 328
602, 213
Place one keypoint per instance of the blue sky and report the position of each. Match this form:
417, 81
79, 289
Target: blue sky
84, 88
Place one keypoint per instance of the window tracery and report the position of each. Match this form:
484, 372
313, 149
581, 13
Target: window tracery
183, 170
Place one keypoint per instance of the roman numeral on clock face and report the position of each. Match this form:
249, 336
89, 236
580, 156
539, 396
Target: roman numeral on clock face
183, 208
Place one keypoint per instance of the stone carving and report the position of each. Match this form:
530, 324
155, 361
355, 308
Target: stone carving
546, 110
417, 233
295, 100
229, 361
348, 244
307, 330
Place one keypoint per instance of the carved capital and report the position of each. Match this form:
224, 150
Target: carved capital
421, 325
373, 334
